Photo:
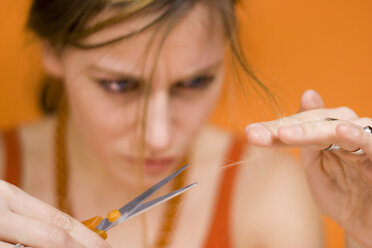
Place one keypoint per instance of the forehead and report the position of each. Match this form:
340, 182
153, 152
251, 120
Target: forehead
196, 40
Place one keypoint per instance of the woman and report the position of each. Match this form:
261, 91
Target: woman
141, 78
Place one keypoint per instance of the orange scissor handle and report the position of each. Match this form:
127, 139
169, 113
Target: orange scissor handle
113, 215
92, 225
93, 222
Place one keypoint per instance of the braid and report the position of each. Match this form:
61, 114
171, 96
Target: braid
61, 157
171, 212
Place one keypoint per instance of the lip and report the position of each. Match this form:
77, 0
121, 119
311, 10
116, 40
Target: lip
153, 164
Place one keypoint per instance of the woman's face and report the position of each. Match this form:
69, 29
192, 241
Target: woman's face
106, 92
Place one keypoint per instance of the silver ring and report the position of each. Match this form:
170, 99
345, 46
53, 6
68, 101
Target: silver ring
358, 152
332, 147
19, 245
367, 129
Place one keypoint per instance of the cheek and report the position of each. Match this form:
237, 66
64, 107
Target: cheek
191, 114
103, 123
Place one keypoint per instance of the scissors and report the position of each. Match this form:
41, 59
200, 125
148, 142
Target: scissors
135, 207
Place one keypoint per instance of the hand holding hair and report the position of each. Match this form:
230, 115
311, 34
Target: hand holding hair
336, 150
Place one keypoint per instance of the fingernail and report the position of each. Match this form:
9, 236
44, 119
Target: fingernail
259, 131
254, 125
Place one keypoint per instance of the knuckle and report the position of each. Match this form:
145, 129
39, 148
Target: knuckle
62, 220
59, 238
3, 189
99, 243
347, 112
366, 120
7, 190
4, 214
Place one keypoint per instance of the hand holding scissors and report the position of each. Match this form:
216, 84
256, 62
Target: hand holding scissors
29, 221
135, 207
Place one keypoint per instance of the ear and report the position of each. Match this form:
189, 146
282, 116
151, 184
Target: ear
51, 60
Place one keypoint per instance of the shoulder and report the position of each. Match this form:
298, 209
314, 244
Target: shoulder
37, 158
273, 200
2, 157
35, 137
31, 137
34, 142
211, 140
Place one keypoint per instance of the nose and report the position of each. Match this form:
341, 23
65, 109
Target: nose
158, 126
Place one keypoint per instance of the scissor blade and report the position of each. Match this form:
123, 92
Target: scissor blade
131, 206
148, 205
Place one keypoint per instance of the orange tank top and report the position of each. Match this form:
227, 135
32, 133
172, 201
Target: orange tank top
219, 235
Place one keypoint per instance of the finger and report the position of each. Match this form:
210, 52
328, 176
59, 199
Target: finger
341, 113
313, 135
266, 133
357, 136
21, 229
6, 245
21, 203
311, 100
320, 134
9, 245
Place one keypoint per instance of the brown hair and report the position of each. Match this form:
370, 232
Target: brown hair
65, 23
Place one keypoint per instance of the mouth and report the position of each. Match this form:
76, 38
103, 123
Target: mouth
153, 164
158, 164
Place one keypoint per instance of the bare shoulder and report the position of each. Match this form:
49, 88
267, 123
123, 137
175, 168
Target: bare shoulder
37, 141
36, 137
33, 141
37, 149
2, 158
273, 200
211, 140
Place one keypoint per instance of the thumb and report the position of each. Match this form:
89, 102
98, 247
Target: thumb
311, 100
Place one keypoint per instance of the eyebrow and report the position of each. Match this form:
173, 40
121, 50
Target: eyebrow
112, 71
188, 75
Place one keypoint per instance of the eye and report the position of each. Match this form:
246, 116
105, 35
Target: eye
195, 83
119, 86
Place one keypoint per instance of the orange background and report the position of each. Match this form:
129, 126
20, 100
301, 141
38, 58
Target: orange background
291, 45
